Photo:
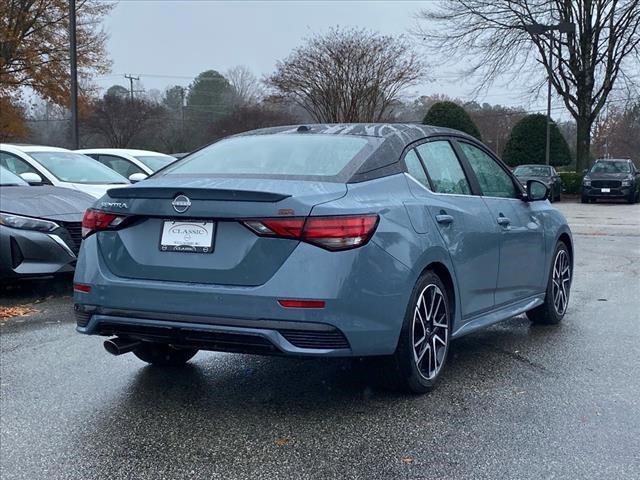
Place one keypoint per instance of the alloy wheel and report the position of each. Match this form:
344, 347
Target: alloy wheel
430, 337
561, 282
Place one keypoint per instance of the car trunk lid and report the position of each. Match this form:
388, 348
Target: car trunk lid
239, 256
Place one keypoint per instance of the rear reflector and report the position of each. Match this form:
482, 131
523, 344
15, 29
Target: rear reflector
302, 303
332, 233
81, 287
96, 220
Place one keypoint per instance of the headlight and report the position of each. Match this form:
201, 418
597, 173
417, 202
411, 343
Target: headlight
586, 182
626, 183
27, 223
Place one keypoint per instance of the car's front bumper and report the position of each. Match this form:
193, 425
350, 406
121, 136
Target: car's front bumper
614, 192
363, 313
28, 253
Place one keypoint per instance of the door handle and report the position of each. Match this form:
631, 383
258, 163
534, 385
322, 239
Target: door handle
504, 221
444, 218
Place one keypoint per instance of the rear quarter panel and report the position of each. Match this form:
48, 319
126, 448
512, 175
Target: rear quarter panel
395, 235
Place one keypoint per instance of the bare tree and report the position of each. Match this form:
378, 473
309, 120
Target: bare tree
490, 37
348, 75
617, 134
119, 120
246, 86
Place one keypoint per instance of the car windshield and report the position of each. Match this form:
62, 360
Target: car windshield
10, 179
76, 168
288, 155
611, 167
532, 171
155, 162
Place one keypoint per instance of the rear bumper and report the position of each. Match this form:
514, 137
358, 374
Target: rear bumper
219, 334
26, 253
363, 314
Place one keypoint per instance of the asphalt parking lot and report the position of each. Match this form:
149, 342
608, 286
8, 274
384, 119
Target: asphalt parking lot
517, 401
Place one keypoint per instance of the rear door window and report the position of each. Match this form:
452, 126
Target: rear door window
444, 168
415, 168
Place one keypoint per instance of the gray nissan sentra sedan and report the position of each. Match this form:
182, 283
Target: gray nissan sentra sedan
322, 240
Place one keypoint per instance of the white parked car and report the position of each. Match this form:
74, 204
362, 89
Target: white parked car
128, 162
59, 167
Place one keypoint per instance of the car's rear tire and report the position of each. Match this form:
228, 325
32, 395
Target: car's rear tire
424, 341
163, 354
556, 300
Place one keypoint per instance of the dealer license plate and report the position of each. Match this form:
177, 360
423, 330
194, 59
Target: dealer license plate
191, 236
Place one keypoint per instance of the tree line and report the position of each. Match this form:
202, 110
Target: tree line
343, 75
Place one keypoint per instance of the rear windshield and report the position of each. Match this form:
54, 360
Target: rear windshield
277, 155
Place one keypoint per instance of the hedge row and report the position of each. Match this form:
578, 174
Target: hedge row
572, 182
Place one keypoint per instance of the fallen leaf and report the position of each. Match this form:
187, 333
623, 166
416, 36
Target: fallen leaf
17, 311
281, 442
407, 460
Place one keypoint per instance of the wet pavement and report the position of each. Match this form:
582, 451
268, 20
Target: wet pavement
516, 401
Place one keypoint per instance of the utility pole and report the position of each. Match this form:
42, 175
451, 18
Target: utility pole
540, 29
182, 108
131, 78
547, 148
73, 63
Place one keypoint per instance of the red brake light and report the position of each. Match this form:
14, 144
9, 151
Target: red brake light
277, 227
332, 233
96, 220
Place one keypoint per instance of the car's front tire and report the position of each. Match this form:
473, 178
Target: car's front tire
556, 300
425, 336
163, 354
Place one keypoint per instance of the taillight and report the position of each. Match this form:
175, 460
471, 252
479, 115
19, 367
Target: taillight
332, 233
96, 220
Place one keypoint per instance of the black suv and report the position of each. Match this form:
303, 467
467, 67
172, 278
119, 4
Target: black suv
611, 178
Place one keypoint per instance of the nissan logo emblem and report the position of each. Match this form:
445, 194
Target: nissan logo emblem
181, 203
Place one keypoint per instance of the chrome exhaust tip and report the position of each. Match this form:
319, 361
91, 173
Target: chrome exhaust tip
118, 346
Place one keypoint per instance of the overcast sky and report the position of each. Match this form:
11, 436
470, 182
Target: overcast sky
169, 42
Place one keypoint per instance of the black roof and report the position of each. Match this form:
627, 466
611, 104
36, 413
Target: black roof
408, 131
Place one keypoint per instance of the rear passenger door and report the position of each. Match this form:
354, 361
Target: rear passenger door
462, 219
522, 250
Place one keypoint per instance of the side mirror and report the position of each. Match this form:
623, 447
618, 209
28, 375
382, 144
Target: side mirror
536, 191
584, 172
31, 178
137, 177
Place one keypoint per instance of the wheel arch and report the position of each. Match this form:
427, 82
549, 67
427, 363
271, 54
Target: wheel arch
445, 275
565, 238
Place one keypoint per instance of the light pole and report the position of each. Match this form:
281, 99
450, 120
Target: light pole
540, 29
73, 58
